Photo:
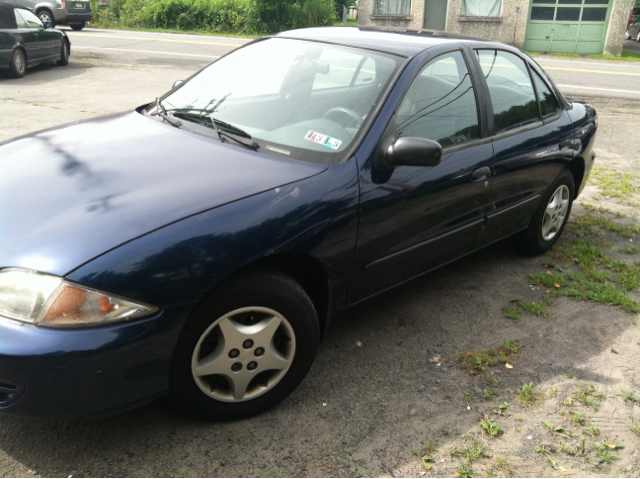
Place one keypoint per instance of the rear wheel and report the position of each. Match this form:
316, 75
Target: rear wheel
627, 35
18, 65
550, 218
46, 16
64, 54
77, 26
244, 349
638, 37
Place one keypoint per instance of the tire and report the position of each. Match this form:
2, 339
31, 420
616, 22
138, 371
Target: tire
18, 64
46, 16
249, 324
77, 26
64, 54
550, 218
638, 37
627, 35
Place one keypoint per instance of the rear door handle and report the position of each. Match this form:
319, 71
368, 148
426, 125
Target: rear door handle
480, 173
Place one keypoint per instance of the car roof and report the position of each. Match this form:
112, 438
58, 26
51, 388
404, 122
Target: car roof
7, 18
392, 40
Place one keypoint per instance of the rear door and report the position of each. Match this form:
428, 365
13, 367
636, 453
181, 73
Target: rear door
46, 42
532, 141
30, 37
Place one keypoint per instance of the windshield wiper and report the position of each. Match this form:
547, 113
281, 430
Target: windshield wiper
220, 126
162, 113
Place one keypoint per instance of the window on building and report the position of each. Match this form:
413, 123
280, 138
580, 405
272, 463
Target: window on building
512, 95
393, 7
440, 104
481, 8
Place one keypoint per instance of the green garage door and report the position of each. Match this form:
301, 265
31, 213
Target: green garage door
576, 26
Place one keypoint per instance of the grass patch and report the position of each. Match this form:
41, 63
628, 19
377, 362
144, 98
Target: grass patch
562, 54
108, 25
615, 184
593, 430
626, 56
424, 454
589, 274
465, 471
634, 428
474, 449
489, 426
531, 307
350, 23
627, 396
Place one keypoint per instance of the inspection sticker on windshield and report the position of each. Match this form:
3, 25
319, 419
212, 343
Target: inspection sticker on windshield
323, 139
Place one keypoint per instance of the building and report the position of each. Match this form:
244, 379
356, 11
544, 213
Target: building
574, 26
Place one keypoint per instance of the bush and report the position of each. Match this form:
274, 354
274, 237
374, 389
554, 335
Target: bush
223, 16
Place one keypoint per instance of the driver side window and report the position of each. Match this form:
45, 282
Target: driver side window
440, 103
31, 19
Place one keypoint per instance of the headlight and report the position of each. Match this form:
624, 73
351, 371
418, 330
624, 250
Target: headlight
50, 301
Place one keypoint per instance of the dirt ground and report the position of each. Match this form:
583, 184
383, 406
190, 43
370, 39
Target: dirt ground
386, 380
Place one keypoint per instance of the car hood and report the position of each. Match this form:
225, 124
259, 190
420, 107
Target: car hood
71, 193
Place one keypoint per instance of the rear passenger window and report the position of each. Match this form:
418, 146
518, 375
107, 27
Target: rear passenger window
20, 21
512, 95
440, 104
548, 103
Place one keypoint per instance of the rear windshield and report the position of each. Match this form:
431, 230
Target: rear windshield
297, 99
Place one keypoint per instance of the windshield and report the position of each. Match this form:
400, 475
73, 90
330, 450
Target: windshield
298, 99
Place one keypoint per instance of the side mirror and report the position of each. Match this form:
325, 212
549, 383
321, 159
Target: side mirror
178, 82
412, 151
47, 25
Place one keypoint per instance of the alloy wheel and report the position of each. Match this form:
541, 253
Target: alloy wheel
243, 354
19, 61
44, 18
555, 213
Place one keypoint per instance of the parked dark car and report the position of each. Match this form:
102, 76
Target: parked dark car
76, 14
25, 42
633, 30
199, 245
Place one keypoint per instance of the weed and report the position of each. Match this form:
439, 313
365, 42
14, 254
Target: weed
528, 395
565, 448
474, 450
512, 313
446, 432
630, 250
466, 398
572, 376
568, 402
503, 462
491, 379
552, 462
544, 448
579, 419
593, 430
583, 446
626, 395
535, 308
588, 396
465, 471
604, 453
489, 426
511, 347
634, 428
501, 409
489, 393
559, 430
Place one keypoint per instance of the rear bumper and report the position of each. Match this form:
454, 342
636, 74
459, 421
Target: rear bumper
72, 373
78, 17
59, 15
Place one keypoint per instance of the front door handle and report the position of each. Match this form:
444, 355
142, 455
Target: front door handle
480, 173
565, 143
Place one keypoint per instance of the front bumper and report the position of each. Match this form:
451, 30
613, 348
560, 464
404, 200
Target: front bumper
58, 373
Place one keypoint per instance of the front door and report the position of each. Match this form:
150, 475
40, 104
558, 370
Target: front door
412, 218
435, 14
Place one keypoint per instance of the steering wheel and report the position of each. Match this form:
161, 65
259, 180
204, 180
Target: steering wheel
339, 113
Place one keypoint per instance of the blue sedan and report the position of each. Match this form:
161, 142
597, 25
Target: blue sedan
198, 246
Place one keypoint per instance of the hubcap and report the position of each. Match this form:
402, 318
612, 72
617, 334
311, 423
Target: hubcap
45, 18
19, 61
243, 354
555, 213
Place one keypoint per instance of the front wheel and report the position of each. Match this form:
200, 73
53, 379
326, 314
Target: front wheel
46, 16
626, 35
77, 26
64, 54
245, 348
638, 37
550, 218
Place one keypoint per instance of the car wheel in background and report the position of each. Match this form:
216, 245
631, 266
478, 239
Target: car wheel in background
46, 16
638, 37
64, 54
245, 348
18, 65
550, 218
77, 26
627, 35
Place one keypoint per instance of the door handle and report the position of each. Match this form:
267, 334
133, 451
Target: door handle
480, 173
565, 144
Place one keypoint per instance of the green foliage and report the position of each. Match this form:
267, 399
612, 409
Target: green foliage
465, 471
528, 395
588, 396
489, 426
221, 16
474, 450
